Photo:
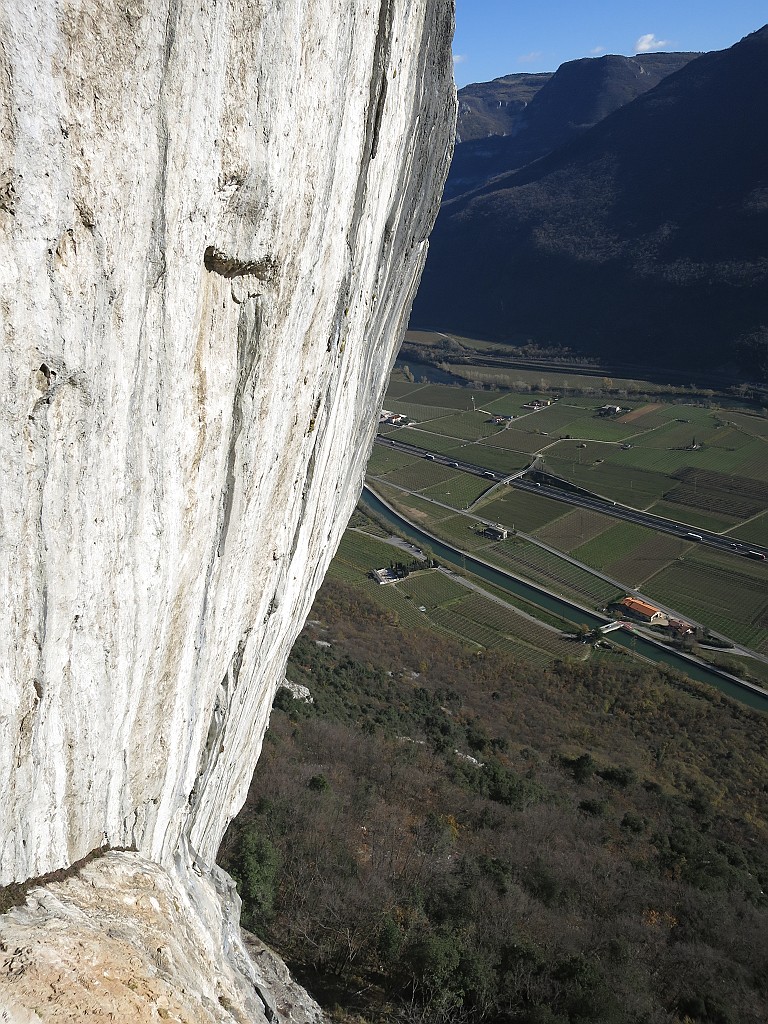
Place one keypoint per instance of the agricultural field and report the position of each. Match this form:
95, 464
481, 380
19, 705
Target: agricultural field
751, 460
519, 439
468, 426
416, 411
692, 517
508, 622
601, 428
463, 531
728, 597
616, 542
551, 571
521, 510
755, 531
447, 603
503, 403
573, 528
360, 520
648, 558
432, 588
428, 440
364, 552
688, 457
729, 495
405, 611
706, 468
495, 459
417, 509
559, 418
626, 552
439, 395
460, 491
645, 416
434, 480
398, 388
582, 453
485, 622
385, 460
660, 460
756, 426
420, 475
638, 488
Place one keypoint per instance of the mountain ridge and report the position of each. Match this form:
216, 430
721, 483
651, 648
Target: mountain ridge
646, 230
572, 99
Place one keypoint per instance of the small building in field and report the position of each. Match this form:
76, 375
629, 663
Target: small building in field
537, 403
680, 628
643, 610
609, 410
497, 532
385, 416
383, 576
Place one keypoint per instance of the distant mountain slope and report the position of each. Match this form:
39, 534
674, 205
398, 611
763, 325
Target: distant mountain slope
559, 106
646, 237
493, 108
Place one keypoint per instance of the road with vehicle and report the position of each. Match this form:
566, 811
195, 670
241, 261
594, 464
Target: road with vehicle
585, 500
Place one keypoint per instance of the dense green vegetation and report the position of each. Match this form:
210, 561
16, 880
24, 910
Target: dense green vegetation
448, 836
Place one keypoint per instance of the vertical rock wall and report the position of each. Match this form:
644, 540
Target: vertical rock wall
212, 221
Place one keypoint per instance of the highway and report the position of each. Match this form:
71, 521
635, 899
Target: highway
631, 515
444, 460
593, 502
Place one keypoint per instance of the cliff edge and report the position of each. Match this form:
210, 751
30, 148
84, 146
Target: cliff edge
213, 218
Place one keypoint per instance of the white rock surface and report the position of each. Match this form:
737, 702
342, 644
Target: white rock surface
212, 221
125, 940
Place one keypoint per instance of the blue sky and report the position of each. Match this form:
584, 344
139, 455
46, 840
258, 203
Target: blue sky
499, 37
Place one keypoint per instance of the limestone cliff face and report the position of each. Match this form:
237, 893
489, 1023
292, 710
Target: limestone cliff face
212, 220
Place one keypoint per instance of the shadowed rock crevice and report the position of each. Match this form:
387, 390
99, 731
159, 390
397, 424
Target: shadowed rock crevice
217, 262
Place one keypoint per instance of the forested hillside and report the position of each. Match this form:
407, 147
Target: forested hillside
448, 837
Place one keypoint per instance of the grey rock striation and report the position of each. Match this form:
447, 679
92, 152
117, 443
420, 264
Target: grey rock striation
213, 218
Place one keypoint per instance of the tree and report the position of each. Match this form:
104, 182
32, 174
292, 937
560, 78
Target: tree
255, 869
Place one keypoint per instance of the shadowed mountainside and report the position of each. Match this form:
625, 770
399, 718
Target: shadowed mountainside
559, 107
643, 238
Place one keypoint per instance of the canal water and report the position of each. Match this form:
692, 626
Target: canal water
561, 607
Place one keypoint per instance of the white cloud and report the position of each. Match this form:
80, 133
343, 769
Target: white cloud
529, 58
649, 42
458, 58
597, 50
